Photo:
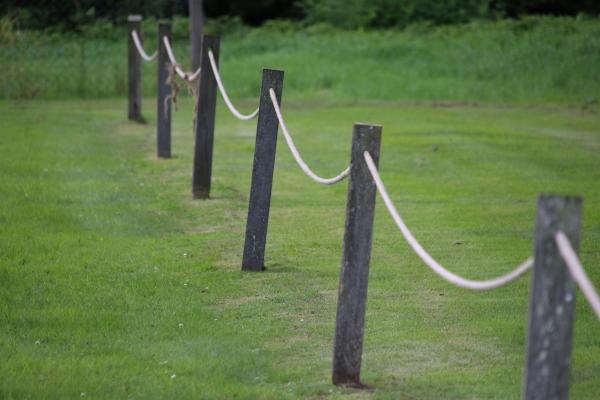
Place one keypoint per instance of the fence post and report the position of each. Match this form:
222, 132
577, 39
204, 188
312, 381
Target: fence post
163, 100
262, 173
205, 120
134, 69
196, 22
552, 303
354, 275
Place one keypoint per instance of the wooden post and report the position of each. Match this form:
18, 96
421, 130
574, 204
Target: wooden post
196, 23
552, 305
354, 275
134, 69
262, 173
205, 120
163, 101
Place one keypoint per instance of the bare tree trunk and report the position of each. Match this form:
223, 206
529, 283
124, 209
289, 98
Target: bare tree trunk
196, 25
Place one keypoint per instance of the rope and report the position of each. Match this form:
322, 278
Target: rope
186, 76
140, 49
230, 105
427, 259
296, 154
577, 272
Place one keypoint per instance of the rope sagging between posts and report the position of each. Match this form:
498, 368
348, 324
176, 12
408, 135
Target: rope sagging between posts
228, 102
296, 154
426, 258
186, 76
140, 48
577, 272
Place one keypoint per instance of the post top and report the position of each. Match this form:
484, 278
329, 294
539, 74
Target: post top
134, 18
278, 71
362, 124
545, 197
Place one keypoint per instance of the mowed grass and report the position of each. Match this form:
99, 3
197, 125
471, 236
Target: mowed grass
115, 284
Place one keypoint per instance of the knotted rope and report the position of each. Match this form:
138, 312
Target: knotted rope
186, 76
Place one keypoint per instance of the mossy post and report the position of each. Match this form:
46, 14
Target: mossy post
205, 120
552, 305
354, 275
134, 74
262, 173
163, 100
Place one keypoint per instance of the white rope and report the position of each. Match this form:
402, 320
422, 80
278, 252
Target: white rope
296, 154
186, 76
140, 49
577, 272
230, 105
427, 259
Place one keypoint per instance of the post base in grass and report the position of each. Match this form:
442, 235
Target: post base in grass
201, 194
139, 119
253, 267
349, 382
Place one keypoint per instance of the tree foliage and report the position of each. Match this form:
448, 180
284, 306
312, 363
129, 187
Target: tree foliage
394, 13
71, 14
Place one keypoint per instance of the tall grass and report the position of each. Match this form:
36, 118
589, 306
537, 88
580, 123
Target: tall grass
541, 59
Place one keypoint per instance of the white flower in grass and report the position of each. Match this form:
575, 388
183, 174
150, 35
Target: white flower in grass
173, 376
180, 325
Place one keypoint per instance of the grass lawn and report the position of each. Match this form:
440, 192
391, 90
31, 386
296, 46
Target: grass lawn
115, 284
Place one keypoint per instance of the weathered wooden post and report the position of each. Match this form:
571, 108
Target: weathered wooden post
134, 23
196, 22
163, 99
552, 305
354, 275
205, 120
262, 173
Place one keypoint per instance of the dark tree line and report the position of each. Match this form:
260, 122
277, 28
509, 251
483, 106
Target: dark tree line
70, 14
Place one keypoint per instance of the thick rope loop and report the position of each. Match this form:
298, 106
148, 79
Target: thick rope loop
140, 48
228, 102
296, 154
577, 272
426, 258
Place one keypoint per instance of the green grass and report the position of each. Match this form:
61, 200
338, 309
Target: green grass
115, 284
547, 60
